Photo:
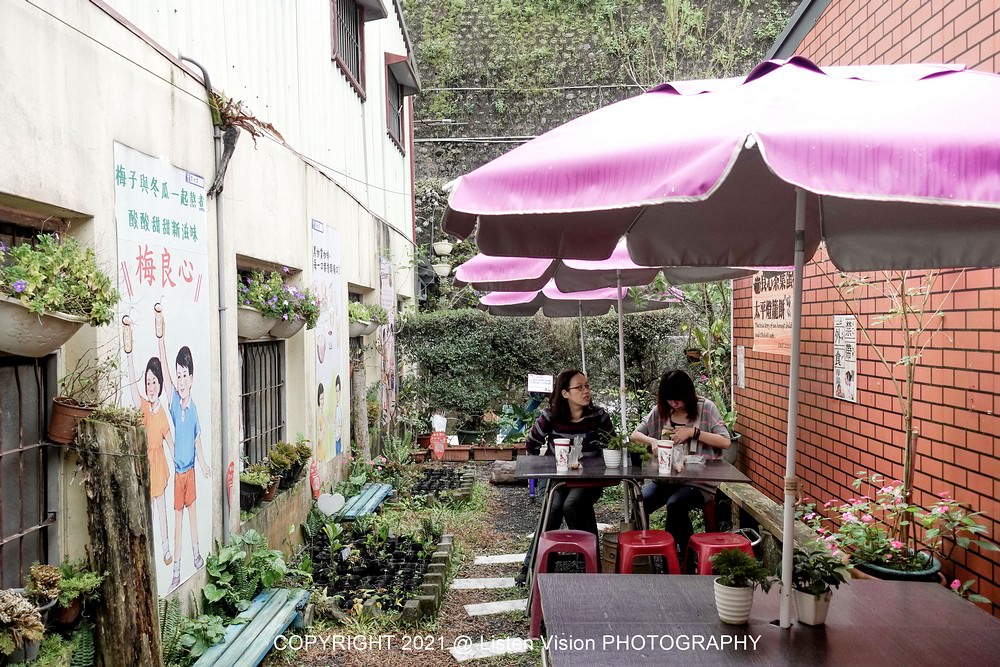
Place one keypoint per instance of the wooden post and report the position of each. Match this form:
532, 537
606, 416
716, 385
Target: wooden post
119, 522
359, 402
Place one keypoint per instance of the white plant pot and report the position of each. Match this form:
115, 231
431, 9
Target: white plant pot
733, 604
612, 458
371, 328
811, 609
358, 328
287, 328
442, 248
251, 324
29, 335
442, 269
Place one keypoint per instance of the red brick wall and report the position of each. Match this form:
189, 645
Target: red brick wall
958, 406
860, 32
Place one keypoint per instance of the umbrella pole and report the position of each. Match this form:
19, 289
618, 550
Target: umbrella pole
621, 368
583, 351
791, 483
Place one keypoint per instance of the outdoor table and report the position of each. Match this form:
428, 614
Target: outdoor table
642, 619
592, 469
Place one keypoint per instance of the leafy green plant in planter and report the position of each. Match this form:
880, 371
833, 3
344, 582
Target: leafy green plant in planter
78, 582
738, 574
42, 584
816, 570
257, 474
58, 276
239, 570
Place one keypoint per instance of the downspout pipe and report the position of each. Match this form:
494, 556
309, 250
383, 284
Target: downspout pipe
224, 362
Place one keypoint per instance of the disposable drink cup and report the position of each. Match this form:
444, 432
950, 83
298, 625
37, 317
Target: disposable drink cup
664, 455
562, 448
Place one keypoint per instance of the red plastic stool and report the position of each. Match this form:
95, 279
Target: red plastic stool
634, 543
559, 541
706, 545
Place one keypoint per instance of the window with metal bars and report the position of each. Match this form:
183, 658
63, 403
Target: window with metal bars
349, 41
27, 500
394, 108
262, 397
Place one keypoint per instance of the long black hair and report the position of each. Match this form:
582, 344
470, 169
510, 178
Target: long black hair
557, 402
676, 385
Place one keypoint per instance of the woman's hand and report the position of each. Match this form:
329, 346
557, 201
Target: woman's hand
683, 433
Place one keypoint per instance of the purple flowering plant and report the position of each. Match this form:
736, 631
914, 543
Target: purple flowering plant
877, 526
273, 297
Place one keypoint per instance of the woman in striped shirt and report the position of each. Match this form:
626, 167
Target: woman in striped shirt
693, 423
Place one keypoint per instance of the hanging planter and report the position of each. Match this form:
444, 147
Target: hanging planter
26, 334
442, 269
251, 324
442, 248
357, 329
371, 328
287, 328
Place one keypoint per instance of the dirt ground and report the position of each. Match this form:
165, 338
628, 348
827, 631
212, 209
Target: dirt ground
512, 517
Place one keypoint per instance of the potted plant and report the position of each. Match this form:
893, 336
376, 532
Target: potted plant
256, 481
638, 453
21, 627
42, 587
867, 526
360, 318
442, 248
816, 571
268, 305
90, 384
612, 451
739, 574
77, 585
284, 462
48, 290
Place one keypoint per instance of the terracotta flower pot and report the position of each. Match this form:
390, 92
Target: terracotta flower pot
272, 490
68, 615
65, 417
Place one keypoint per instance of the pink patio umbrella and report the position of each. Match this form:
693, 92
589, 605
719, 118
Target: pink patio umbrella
893, 167
556, 303
515, 274
485, 272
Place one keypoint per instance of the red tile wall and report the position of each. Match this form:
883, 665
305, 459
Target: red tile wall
957, 410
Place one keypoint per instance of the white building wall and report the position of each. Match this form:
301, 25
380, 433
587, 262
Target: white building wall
76, 78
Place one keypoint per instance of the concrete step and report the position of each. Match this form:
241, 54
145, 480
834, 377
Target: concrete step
485, 582
501, 558
501, 607
476, 649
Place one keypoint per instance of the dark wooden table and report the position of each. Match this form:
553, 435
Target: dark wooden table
638, 619
593, 469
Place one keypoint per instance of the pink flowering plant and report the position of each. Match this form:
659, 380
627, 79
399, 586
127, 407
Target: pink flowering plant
869, 526
273, 297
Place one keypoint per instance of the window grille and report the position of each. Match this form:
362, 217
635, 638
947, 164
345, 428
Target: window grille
262, 397
26, 498
394, 104
349, 40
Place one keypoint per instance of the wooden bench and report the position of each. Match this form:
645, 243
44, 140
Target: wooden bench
769, 516
369, 498
252, 634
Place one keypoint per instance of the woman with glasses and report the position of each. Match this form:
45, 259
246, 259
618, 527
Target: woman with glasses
694, 423
570, 414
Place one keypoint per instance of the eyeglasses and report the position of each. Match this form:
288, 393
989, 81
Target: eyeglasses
579, 386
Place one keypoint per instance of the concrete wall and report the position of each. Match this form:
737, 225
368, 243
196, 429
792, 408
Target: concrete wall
79, 77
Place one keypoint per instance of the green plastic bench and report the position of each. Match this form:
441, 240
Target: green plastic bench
252, 635
370, 497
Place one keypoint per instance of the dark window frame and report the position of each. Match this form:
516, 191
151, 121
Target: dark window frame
343, 15
263, 380
394, 117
